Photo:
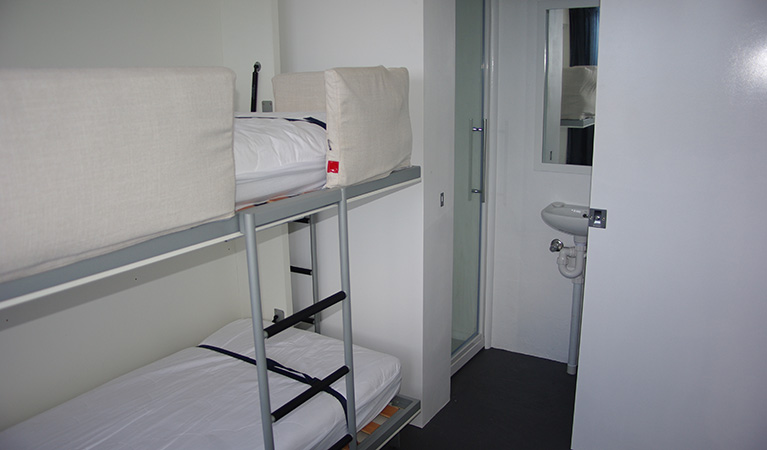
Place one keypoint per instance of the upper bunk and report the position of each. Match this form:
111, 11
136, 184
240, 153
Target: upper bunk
105, 170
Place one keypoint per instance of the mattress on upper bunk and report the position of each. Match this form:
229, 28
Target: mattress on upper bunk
201, 399
278, 154
364, 133
94, 160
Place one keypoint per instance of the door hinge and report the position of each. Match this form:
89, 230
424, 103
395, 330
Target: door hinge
597, 218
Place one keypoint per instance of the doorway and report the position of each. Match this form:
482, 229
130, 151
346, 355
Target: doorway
469, 179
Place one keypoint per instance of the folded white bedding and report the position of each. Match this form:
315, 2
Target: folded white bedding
278, 154
201, 399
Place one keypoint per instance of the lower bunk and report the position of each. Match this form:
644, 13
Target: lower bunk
206, 397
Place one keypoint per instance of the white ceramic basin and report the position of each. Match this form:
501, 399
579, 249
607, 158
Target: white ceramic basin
570, 219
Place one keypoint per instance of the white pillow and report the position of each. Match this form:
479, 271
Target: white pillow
369, 133
265, 143
579, 91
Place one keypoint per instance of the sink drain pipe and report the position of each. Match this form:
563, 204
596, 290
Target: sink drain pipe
572, 262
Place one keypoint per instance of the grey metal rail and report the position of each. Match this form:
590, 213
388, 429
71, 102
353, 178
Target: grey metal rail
407, 409
343, 244
311, 221
248, 228
315, 276
165, 245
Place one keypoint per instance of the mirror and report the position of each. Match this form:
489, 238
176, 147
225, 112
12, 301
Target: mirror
570, 71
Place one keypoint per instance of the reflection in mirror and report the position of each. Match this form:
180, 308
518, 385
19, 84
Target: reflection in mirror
570, 87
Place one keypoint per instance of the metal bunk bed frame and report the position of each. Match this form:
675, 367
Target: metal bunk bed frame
311, 271
248, 227
246, 223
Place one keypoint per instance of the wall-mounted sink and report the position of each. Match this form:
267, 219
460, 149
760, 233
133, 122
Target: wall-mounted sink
570, 219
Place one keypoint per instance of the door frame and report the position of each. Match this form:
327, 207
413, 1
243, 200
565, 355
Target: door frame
487, 209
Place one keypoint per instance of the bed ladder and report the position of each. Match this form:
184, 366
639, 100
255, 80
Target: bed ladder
311, 221
248, 228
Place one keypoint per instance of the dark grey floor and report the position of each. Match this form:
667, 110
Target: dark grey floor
501, 400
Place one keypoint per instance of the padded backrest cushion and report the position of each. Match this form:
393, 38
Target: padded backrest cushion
299, 92
94, 160
368, 118
579, 91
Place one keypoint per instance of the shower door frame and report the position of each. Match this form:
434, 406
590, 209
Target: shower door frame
481, 339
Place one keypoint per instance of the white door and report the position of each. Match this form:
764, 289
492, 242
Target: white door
674, 335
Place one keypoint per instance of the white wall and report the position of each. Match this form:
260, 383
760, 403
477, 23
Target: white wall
399, 273
673, 347
250, 33
528, 301
83, 33
113, 33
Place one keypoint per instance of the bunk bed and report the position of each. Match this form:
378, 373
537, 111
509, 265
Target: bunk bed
105, 170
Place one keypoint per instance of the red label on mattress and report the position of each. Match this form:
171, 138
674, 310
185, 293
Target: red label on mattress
332, 166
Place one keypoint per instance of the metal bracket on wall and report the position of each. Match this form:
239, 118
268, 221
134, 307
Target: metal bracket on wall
597, 218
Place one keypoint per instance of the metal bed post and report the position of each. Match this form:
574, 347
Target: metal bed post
315, 280
343, 244
248, 228
254, 87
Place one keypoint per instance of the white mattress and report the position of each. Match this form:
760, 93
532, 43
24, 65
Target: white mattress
275, 157
201, 399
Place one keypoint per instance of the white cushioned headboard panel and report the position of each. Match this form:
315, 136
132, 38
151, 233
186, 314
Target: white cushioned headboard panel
94, 160
299, 92
579, 91
368, 119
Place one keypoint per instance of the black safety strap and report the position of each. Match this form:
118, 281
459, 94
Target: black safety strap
276, 367
310, 119
314, 121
